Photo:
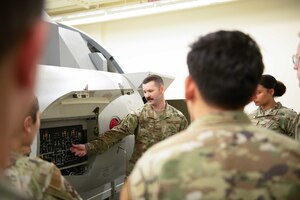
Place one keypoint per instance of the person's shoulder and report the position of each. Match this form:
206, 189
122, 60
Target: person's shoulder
297, 118
258, 136
44, 170
288, 111
33, 174
57, 186
32, 163
174, 111
282, 143
41, 163
54, 181
141, 109
136, 113
263, 144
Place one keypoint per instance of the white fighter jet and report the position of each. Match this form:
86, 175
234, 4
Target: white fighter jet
83, 92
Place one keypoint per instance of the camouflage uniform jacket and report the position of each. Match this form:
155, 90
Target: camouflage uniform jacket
38, 179
8, 192
220, 156
279, 119
148, 126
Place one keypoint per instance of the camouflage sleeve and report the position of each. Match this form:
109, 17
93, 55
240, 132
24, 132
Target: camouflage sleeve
138, 187
71, 190
144, 179
39, 179
113, 136
60, 188
296, 122
289, 124
32, 176
183, 124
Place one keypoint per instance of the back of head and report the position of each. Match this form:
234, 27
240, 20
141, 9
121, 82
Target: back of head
18, 17
269, 82
226, 66
157, 79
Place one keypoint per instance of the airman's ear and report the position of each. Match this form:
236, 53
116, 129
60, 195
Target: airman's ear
27, 124
190, 88
28, 54
162, 88
272, 91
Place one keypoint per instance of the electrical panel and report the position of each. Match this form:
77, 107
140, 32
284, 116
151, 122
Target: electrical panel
55, 143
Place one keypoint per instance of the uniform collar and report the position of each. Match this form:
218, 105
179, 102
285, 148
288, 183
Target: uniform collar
155, 115
226, 117
271, 111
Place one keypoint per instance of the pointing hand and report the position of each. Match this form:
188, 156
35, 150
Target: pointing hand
78, 150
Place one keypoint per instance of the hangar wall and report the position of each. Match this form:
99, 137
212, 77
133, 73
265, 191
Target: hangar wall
160, 42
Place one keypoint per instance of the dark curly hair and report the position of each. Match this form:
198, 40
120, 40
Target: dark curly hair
226, 66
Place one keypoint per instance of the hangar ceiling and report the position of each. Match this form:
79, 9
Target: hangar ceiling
75, 12
59, 7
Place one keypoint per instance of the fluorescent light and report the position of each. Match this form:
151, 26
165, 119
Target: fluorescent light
84, 14
57, 18
131, 7
135, 11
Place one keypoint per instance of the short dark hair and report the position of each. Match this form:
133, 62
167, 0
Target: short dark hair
226, 66
18, 17
269, 82
34, 109
157, 79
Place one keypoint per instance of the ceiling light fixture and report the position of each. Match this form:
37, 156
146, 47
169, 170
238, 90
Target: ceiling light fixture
134, 10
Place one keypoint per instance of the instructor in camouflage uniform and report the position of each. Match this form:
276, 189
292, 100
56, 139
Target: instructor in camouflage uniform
221, 155
152, 123
36, 178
